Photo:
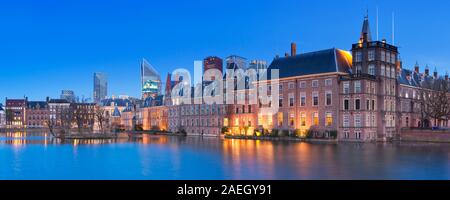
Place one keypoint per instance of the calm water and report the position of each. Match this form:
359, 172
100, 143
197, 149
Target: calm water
35, 156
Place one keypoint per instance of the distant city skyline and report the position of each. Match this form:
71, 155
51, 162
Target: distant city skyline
50, 46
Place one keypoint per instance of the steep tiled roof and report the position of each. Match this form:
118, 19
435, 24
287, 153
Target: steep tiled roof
325, 61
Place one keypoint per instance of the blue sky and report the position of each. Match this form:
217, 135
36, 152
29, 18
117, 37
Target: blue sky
47, 46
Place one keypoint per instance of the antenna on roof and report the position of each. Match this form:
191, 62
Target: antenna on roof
393, 28
377, 24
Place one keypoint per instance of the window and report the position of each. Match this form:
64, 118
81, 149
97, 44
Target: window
388, 57
358, 57
346, 121
280, 87
392, 72
393, 58
315, 118
367, 104
315, 83
358, 69
346, 86
236, 122
280, 102
373, 104
291, 85
371, 55
358, 135
280, 119
328, 119
328, 82
357, 120
346, 104
383, 56
302, 99
367, 121
346, 134
292, 119
357, 86
357, 104
383, 70
249, 109
372, 69
315, 99
291, 100
303, 84
328, 98
302, 119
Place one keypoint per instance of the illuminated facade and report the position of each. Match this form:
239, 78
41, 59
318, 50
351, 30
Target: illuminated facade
15, 113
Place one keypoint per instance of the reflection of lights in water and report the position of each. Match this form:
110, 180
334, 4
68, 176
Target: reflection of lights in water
149, 139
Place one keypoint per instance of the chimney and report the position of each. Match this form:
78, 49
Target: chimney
286, 54
435, 74
446, 76
427, 71
293, 49
277, 56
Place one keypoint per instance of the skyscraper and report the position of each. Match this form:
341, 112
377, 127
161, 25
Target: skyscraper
68, 95
151, 80
100, 86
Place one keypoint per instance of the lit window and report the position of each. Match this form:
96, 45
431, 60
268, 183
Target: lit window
328, 119
280, 119
236, 122
315, 118
302, 119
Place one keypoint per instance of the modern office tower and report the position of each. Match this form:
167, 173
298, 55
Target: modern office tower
100, 86
236, 62
68, 95
213, 62
151, 80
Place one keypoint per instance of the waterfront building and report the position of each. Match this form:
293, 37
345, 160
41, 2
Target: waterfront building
100, 86
59, 111
150, 80
154, 114
15, 113
37, 113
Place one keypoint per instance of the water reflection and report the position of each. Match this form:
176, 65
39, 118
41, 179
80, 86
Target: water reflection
171, 157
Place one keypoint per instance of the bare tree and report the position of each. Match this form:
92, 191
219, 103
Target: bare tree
435, 103
102, 118
51, 124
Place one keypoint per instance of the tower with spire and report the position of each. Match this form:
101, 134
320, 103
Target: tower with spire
373, 80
